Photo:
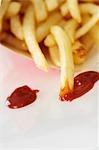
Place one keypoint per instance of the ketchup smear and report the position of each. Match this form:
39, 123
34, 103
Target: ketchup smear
21, 97
82, 84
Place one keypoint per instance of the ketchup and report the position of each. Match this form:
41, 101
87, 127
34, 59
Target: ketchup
21, 97
82, 84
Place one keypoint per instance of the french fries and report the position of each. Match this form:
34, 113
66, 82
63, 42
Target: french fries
0, 2
95, 33
40, 10
67, 67
70, 27
86, 27
13, 9
54, 55
74, 9
3, 9
64, 9
13, 42
16, 27
57, 33
89, 8
30, 39
51, 5
44, 28
79, 53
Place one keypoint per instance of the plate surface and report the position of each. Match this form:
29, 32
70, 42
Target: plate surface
48, 122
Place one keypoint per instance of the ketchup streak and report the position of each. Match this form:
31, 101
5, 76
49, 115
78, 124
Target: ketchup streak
82, 84
21, 97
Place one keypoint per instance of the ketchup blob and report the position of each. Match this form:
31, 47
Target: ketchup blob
82, 84
21, 97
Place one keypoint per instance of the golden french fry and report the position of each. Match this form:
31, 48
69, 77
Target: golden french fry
50, 41
78, 49
64, 9
86, 27
30, 39
70, 28
3, 9
88, 41
13, 9
13, 42
0, 2
54, 55
89, 8
16, 27
85, 18
66, 59
95, 33
74, 9
40, 10
51, 4
44, 28
79, 53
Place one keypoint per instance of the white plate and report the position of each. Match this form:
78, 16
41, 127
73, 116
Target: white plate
48, 122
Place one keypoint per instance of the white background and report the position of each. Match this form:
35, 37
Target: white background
47, 123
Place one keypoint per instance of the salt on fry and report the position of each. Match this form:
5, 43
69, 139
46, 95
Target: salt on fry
16, 27
66, 59
30, 39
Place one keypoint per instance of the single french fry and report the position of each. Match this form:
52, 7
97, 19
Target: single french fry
13, 42
86, 27
31, 41
50, 41
79, 53
40, 10
16, 27
44, 28
70, 28
54, 55
95, 33
3, 9
51, 4
66, 59
13, 9
89, 8
0, 2
74, 9
64, 9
